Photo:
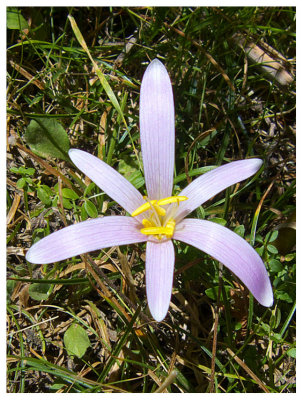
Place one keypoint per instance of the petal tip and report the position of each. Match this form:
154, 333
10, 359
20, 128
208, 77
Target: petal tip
258, 163
268, 299
156, 68
155, 63
158, 309
73, 152
30, 257
158, 315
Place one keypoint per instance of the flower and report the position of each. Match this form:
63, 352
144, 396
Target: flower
159, 217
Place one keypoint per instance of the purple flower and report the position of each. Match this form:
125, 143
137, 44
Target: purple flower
159, 217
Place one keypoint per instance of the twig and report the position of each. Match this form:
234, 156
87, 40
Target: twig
272, 68
248, 370
168, 381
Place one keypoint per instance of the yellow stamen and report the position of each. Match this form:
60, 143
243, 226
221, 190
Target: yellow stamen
170, 227
159, 222
171, 199
167, 230
157, 203
146, 206
153, 230
159, 210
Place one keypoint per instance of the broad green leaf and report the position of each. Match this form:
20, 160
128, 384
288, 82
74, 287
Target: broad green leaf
14, 19
76, 341
218, 220
66, 203
84, 214
47, 138
39, 291
279, 294
15, 170
21, 183
292, 352
22, 170
69, 194
44, 193
273, 236
91, 209
272, 249
275, 266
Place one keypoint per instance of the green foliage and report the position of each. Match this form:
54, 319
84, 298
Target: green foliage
130, 170
14, 19
90, 209
39, 291
76, 341
47, 138
240, 230
213, 293
82, 325
217, 220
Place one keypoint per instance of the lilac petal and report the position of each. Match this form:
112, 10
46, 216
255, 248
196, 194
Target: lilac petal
85, 236
213, 182
160, 260
232, 251
157, 130
108, 179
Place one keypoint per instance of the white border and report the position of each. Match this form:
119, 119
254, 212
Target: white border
114, 3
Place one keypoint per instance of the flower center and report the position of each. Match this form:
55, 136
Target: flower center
159, 221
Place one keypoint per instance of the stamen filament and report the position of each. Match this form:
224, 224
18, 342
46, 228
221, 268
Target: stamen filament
146, 223
155, 214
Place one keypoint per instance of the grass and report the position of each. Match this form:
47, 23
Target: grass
83, 74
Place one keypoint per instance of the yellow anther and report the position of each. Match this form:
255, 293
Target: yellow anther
157, 203
167, 230
159, 210
172, 199
146, 206
170, 226
153, 230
